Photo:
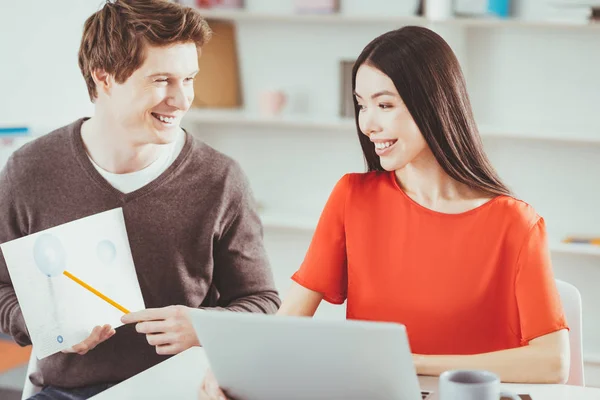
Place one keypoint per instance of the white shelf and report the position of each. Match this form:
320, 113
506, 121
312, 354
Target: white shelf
589, 137
341, 18
241, 118
592, 358
320, 124
575, 248
308, 224
288, 222
520, 23
250, 16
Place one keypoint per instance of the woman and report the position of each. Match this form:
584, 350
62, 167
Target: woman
430, 237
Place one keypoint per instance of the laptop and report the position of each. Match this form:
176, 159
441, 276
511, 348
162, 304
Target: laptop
267, 357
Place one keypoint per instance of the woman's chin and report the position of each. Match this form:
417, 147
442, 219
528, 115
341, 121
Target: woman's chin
390, 165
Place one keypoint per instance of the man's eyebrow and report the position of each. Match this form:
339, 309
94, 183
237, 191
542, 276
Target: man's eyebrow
168, 74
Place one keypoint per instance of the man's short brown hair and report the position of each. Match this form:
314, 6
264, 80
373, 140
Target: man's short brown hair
114, 38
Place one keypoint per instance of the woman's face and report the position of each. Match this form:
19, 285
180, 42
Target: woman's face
384, 118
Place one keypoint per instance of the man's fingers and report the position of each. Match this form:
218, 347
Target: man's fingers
97, 336
210, 390
160, 339
168, 349
81, 349
153, 327
212, 386
150, 314
109, 334
202, 395
90, 342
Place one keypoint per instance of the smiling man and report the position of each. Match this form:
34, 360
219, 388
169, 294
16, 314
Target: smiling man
195, 236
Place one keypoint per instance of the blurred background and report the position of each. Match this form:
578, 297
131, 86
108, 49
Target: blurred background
274, 93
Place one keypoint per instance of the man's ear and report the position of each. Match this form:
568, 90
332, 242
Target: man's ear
104, 81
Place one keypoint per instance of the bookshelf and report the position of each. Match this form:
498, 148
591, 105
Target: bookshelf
240, 118
351, 18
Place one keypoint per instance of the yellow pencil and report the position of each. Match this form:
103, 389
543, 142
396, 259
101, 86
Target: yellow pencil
97, 293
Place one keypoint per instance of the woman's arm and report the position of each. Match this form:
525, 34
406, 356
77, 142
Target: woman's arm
545, 359
300, 301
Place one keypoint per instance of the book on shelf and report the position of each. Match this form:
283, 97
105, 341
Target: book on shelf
567, 11
590, 240
10, 131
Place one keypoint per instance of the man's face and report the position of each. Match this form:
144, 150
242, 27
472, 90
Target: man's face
149, 105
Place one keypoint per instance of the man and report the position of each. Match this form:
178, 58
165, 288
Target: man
195, 237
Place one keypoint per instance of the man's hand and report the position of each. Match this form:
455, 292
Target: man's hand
210, 388
169, 329
99, 334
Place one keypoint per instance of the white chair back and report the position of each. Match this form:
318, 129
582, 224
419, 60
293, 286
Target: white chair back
571, 301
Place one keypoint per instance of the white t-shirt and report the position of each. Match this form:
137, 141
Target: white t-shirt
132, 181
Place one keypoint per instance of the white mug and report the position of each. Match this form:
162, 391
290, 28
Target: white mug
471, 385
437, 10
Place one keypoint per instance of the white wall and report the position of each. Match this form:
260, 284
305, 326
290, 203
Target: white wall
40, 82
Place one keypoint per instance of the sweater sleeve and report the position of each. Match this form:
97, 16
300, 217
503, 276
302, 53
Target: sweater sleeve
242, 273
11, 317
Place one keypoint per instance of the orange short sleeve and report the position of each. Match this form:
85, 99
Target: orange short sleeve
324, 269
538, 300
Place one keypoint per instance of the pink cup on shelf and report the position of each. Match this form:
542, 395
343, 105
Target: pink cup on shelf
230, 4
217, 3
271, 102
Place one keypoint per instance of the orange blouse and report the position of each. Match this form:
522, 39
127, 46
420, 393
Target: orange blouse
467, 283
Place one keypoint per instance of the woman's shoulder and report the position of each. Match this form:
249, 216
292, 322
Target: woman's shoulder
364, 181
361, 186
517, 213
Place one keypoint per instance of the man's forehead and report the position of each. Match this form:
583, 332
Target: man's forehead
175, 60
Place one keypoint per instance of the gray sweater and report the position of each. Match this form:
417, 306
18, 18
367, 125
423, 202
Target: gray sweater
195, 238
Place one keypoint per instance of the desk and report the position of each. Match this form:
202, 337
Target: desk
180, 377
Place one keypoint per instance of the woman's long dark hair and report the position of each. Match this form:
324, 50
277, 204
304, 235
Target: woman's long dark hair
430, 82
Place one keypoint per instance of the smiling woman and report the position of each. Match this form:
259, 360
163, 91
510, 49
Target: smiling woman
432, 106
430, 236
